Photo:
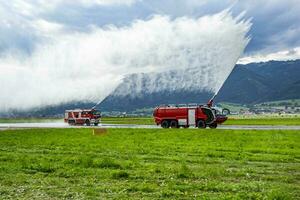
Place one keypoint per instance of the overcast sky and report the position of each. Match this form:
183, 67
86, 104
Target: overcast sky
24, 24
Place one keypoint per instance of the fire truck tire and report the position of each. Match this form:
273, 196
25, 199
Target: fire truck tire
201, 124
165, 124
209, 113
87, 122
71, 121
96, 124
226, 111
174, 124
213, 125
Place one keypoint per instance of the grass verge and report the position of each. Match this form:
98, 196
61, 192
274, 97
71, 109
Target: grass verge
231, 121
288, 121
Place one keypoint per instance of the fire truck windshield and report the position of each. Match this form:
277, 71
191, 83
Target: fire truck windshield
96, 112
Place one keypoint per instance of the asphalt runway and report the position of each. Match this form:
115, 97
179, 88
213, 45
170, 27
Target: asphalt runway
5, 126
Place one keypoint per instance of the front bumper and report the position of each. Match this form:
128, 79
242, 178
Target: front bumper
221, 119
95, 121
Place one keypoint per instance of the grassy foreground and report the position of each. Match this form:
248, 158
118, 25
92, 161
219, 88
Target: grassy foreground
140, 163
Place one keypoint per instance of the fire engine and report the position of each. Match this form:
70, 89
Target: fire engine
82, 117
185, 116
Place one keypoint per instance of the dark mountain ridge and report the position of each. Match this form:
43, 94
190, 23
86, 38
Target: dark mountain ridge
247, 84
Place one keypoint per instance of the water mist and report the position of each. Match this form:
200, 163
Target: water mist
187, 53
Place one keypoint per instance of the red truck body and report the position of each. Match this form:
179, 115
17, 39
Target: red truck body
82, 116
199, 116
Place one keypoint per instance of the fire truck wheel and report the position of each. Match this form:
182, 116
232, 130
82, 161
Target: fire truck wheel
71, 122
96, 124
201, 124
213, 125
226, 111
165, 124
87, 122
174, 124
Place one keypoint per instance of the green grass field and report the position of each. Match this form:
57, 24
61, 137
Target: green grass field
128, 120
150, 164
264, 121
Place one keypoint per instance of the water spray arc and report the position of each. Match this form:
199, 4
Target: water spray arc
89, 66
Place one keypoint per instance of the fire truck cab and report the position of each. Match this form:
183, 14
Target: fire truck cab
82, 117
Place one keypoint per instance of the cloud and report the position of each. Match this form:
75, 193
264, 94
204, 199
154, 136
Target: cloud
292, 54
275, 23
87, 66
108, 2
27, 23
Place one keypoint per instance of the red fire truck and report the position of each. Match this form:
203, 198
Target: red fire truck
82, 117
185, 116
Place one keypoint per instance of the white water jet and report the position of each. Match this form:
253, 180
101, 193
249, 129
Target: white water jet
89, 66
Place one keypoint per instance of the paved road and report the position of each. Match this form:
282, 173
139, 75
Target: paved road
4, 126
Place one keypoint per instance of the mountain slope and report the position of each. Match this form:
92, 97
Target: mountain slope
244, 86
247, 84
